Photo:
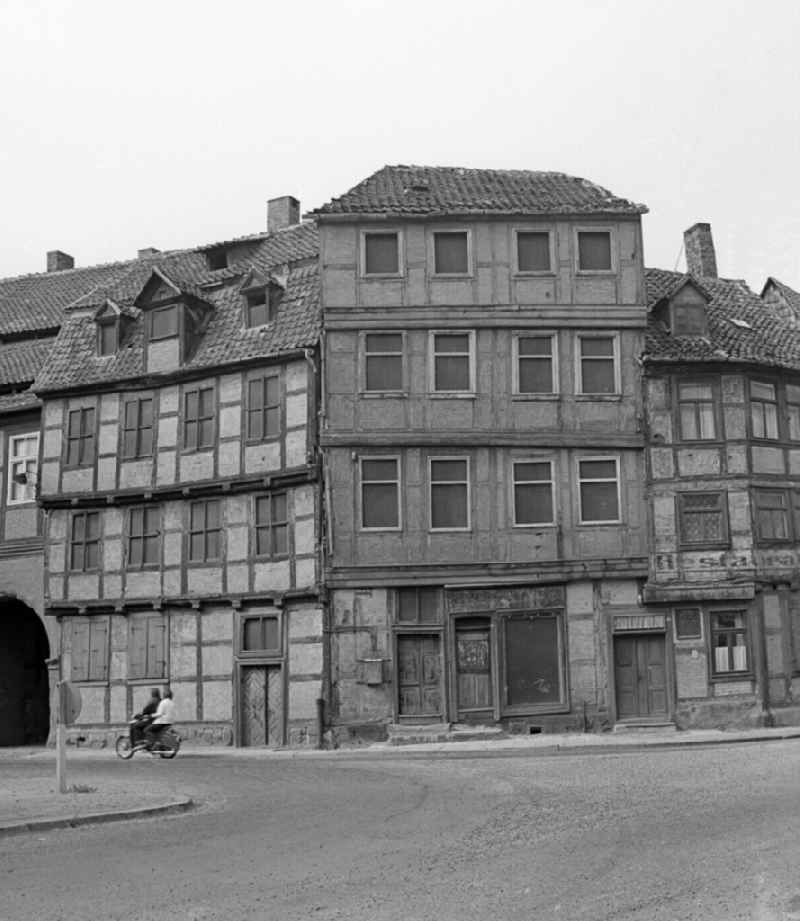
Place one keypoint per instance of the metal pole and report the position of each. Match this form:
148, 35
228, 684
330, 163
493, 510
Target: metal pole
61, 743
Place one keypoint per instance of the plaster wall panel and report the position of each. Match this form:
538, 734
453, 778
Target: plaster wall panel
262, 458
171, 583
735, 422
339, 245
80, 479
237, 510
238, 579
119, 705
183, 661
272, 577
595, 290
229, 461
135, 474
112, 522
338, 287
732, 388
732, 688
217, 700
163, 356
112, 554
772, 611
56, 558
118, 664
58, 523
197, 465
767, 459
658, 393
450, 414
93, 706
84, 587
341, 411
107, 473
602, 542
230, 389
624, 592
109, 407
230, 421
305, 572
662, 463
446, 293
173, 548
52, 443
49, 472
55, 588
303, 699
185, 699
698, 462
381, 293
691, 673
296, 409
629, 284
168, 432
534, 290
142, 584
304, 536
173, 515
296, 448
534, 415
385, 413
217, 660
182, 628
305, 659
739, 513
661, 425
237, 542
794, 462
167, 461
204, 581
21, 522
53, 414
303, 501
108, 438
168, 400
112, 586
581, 638
218, 625
342, 373
305, 622
736, 459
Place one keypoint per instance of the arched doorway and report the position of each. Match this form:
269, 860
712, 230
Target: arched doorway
24, 688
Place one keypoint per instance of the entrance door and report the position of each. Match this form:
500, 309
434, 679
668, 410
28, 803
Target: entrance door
419, 677
640, 676
261, 705
473, 669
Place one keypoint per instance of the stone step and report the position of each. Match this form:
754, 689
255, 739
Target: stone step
645, 726
404, 734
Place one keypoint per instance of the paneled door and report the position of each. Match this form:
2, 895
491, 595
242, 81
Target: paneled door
641, 676
473, 669
419, 676
261, 705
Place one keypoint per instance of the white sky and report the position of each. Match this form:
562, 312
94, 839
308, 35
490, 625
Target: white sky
169, 123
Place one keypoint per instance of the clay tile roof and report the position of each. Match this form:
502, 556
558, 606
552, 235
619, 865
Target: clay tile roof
20, 361
790, 297
434, 190
741, 327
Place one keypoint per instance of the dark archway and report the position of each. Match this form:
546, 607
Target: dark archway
24, 687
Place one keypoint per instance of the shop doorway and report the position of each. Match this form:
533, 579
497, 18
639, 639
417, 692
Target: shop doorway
475, 701
419, 677
640, 676
24, 686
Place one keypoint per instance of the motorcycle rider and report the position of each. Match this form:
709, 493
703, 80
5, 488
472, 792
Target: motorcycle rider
142, 720
162, 720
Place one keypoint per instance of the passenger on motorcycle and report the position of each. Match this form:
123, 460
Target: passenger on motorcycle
163, 718
142, 720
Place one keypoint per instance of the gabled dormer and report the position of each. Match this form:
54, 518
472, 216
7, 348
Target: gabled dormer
111, 325
261, 297
174, 319
684, 311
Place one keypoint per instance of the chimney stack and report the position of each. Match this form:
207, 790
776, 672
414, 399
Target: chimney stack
58, 261
147, 251
282, 212
701, 259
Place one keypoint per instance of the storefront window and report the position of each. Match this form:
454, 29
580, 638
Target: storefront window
533, 660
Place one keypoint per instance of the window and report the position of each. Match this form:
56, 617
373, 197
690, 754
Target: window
594, 251
688, 624
164, 322
793, 410
696, 411
597, 365
23, 466
80, 437
263, 407
383, 362
137, 432
534, 674
449, 494
205, 531
729, 642
535, 364
261, 634
257, 307
533, 492
107, 337
89, 653
702, 518
451, 252
689, 320
533, 251
84, 547
198, 418
147, 647
217, 258
763, 410
381, 253
144, 536
772, 515
380, 493
272, 528
418, 606
453, 365
598, 483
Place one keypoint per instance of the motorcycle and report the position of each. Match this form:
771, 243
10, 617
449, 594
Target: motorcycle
166, 745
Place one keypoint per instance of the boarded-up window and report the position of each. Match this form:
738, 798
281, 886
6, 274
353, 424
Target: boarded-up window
107, 337
198, 418
137, 434
264, 407
533, 659
598, 373
594, 251
89, 654
702, 518
80, 437
451, 253
772, 515
763, 410
272, 528
688, 624
84, 548
729, 642
380, 492
384, 361
533, 492
381, 254
449, 493
205, 530
535, 364
533, 251
696, 411
419, 606
599, 490
689, 320
260, 634
147, 646
164, 322
144, 536
452, 362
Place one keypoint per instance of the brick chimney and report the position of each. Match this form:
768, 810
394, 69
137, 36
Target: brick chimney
701, 259
147, 251
282, 213
58, 261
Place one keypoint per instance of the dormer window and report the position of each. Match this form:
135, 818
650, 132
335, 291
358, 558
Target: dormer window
261, 304
164, 322
689, 320
217, 258
107, 337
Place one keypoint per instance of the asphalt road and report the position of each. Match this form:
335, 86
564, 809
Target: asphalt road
653, 835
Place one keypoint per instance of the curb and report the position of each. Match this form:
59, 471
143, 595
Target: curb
94, 818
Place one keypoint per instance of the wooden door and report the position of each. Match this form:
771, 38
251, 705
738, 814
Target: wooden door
473, 669
641, 676
419, 675
261, 705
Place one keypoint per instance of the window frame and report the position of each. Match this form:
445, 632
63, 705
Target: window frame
269, 526
186, 447
699, 637
143, 537
612, 244
556, 613
433, 354
262, 377
23, 459
364, 337
205, 531
123, 427
432, 253
751, 403
265, 654
711, 632
516, 358
384, 232
104, 324
680, 513
552, 481
147, 619
418, 625
790, 503
789, 403
580, 393
84, 543
533, 228
86, 439
399, 485
579, 480
89, 622
164, 308
715, 408
468, 479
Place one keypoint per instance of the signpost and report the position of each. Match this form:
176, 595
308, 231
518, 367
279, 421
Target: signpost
69, 708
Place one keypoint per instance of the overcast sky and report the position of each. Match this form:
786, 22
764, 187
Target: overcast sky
170, 123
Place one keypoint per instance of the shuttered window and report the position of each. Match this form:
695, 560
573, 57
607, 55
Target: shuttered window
147, 647
264, 407
84, 548
272, 526
205, 530
80, 437
144, 536
198, 418
89, 653
137, 433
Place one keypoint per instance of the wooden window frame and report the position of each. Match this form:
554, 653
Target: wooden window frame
468, 479
581, 480
144, 536
738, 675
104, 324
790, 509
612, 244
761, 402
97, 676
432, 253
792, 401
268, 527
695, 403
418, 623
262, 412
24, 460
433, 354
82, 545
84, 438
382, 232
533, 273
138, 429
517, 359
364, 336
205, 531
164, 308
614, 357
198, 420
149, 672
500, 686
514, 482
680, 513
274, 655
399, 491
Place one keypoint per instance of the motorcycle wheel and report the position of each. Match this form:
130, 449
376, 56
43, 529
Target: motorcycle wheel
172, 748
124, 749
